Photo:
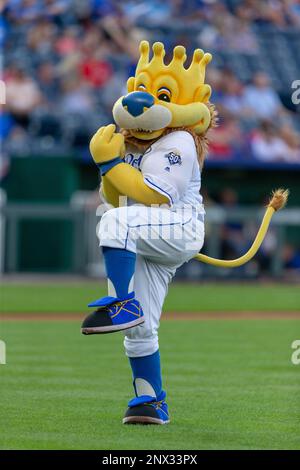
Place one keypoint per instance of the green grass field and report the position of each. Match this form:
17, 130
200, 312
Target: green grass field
73, 297
230, 384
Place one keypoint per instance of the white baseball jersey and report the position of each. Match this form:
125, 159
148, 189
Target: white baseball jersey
163, 238
170, 166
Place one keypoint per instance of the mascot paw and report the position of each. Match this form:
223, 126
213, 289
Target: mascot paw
107, 144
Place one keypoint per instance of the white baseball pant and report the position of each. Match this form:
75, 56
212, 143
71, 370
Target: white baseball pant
162, 240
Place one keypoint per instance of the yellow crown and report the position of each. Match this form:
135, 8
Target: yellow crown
193, 76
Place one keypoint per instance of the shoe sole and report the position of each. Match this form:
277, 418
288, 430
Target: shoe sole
143, 420
100, 330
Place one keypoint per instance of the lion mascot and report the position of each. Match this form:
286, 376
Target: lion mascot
151, 178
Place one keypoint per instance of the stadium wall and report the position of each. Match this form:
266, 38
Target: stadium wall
46, 245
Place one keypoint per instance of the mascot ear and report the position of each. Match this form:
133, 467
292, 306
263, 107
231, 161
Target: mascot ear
130, 84
203, 93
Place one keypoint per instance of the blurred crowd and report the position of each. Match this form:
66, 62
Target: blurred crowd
65, 62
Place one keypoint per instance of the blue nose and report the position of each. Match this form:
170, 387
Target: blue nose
136, 101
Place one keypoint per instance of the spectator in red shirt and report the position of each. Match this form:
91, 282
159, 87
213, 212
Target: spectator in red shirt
96, 71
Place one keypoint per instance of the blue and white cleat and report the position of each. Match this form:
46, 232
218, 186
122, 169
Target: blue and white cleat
147, 410
113, 314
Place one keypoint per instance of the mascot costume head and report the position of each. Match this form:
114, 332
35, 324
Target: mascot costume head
166, 97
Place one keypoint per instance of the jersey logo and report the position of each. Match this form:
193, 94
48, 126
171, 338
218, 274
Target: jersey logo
133, 161
173, 159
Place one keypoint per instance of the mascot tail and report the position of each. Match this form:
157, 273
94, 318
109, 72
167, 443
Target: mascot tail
277, 202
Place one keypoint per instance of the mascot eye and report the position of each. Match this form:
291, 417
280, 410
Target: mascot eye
164, 94
141, 87
164, 97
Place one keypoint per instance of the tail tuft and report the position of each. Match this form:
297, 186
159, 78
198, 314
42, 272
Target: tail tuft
279, 198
